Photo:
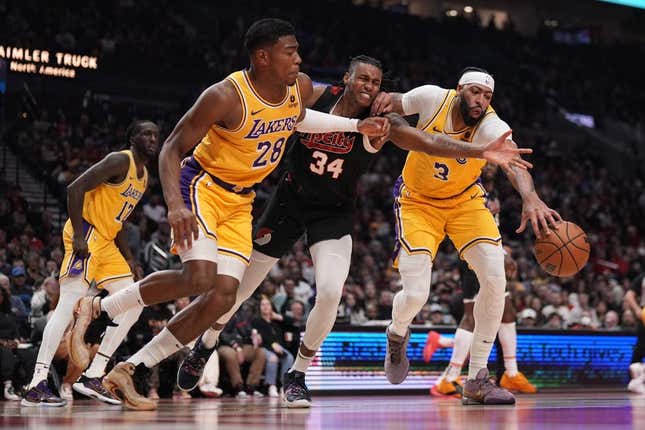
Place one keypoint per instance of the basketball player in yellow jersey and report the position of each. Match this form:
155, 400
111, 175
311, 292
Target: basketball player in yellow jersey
436, 196
96, 250
240, 126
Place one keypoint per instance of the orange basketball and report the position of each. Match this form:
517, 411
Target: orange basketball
564, 252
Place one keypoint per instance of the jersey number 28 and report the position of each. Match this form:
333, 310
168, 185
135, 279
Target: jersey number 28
321, 165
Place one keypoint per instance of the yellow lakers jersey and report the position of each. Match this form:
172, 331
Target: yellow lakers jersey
108, 205
246, 155
438, 177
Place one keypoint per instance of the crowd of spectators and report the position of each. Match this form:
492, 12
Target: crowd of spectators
60, 139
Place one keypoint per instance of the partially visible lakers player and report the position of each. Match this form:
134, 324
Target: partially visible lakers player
240, 127
436, 196
96, 250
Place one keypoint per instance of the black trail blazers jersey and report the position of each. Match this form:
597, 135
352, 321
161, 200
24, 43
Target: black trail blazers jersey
326, 167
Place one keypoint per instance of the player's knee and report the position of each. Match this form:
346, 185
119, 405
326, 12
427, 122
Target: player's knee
415, 265
488, 263
200, 278
328, 295
273, 358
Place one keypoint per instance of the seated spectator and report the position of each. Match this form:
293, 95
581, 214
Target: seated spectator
349, 311
20, 288
277, 354
611, 321
628, 320
16, 364
18, 307
238, 345
527, 318
554, 321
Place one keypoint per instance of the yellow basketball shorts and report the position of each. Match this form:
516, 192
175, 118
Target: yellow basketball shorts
104, 263
422, 222
222, 215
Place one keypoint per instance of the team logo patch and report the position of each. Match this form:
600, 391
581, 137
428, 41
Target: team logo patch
263, 236
77, 267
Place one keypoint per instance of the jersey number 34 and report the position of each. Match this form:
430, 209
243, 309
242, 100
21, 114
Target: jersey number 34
320, 166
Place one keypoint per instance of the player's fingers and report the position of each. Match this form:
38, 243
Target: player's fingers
544, 224
522, 163
188, 233
522, 226
178, 233
556, 215
551, 219
195, 228
524, 150
535, 225
376, 107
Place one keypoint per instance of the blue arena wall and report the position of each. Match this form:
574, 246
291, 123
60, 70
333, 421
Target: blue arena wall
351, 359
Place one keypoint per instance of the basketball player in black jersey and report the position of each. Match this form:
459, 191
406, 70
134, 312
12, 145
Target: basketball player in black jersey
317, 196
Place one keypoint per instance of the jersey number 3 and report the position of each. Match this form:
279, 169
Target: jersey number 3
320, 166
441, 171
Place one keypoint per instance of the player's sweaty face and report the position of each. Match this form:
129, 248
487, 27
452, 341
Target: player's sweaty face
364, 83
285, 60
475, 99
147, 139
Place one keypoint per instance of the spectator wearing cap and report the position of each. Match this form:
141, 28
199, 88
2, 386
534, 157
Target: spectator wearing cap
527, 318
437, 315
19, 286
18, 308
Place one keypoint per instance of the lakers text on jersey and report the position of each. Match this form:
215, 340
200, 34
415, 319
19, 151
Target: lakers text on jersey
216, 182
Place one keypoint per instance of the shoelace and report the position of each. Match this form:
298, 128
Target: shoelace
395, 351
97, 386
298, 389
195, 363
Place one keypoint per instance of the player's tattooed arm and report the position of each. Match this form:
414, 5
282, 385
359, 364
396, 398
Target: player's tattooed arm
533, 208
113, 168
218, 104
499, 151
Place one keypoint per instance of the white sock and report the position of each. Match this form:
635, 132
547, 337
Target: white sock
415, 273
210, 337
487, 262
302, 362
463, 340
123, 300
446, 342
259, 267
70, 292
159, 348
114, 335
508, 338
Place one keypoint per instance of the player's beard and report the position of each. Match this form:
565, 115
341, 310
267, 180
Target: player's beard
465, 113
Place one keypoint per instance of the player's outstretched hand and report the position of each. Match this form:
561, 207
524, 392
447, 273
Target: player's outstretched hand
540, 216
374, 126
184, 226
505, 153
382, 104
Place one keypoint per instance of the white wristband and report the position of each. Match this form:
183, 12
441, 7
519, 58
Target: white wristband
319, 122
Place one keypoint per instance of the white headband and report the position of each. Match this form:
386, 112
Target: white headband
479, 78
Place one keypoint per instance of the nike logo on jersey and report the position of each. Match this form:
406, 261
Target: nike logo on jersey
257, 111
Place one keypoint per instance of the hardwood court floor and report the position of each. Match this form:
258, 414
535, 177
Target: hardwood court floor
579, 410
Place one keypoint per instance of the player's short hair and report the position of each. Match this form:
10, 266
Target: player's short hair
366, 59
133, 128
474, 69
266, 32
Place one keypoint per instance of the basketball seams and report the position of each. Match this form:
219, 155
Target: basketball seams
563, 244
